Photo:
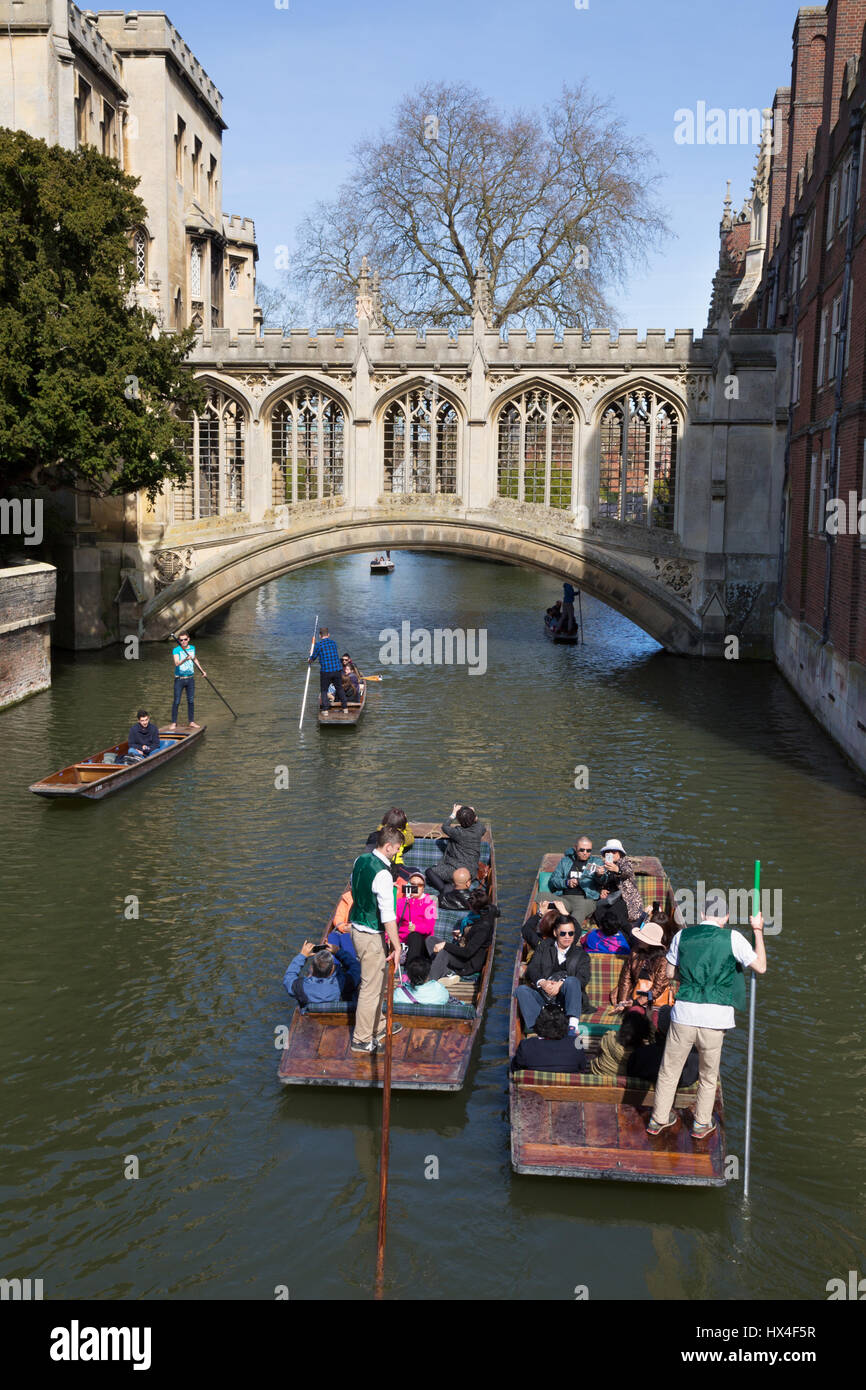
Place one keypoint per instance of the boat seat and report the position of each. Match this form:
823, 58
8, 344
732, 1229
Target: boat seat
587, 1081
456, 1009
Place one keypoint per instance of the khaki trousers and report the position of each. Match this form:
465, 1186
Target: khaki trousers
368, 1010
680, 1041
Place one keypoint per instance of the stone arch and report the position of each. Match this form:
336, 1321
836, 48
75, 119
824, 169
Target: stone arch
287, 384
446, 458
326, 450
211, 587
526, 381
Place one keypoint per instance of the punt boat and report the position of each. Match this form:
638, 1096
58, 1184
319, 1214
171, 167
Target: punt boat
381, 566
577, 1125
98, 775
336, 717
568, 639
433, 1048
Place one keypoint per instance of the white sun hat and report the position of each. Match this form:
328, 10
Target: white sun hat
613, 844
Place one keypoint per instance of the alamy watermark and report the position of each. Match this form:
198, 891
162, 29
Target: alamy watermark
19, 518
736, 903
444, 646
714, 125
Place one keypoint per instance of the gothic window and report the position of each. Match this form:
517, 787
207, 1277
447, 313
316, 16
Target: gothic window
535, 440
216, 450
179, 148
234, 275
307, 448
139, 244
106, 129
421, 443
195, 270
637, 472
83, 101
196, 167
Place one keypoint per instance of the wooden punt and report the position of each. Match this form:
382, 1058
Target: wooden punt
431, 1053
386, 567
94, 778
336, 717
573, 1129
569, 639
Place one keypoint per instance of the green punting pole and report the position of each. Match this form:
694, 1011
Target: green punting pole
750, 1056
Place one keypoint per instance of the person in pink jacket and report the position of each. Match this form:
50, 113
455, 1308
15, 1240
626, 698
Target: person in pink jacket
416, 910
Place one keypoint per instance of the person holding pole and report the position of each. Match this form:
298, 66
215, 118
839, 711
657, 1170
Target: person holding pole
711, 988
373, 920
185, 662
330, 670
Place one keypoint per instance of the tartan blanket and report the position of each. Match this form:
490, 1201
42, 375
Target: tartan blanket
456, 1009
584, 1080
651, 886
424, 854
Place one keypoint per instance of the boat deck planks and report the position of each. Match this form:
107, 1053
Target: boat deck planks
93, 779
337, 719
428, 1054
600, 1132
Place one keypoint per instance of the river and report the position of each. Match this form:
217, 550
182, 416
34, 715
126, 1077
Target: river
153, 1038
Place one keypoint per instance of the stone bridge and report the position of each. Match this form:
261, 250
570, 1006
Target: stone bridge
648, 471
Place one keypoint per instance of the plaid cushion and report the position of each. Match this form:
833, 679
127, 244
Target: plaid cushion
424, 854
456, 1009
588, 1079
604, 976
652, 888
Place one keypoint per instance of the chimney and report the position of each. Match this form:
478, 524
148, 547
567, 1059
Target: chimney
807, 91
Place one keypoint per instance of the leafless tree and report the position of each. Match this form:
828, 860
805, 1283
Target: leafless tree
557, 206
280, 308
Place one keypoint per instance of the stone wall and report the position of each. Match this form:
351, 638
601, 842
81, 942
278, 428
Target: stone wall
832, 688
26, 614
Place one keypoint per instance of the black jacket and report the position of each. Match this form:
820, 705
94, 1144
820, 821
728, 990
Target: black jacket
544, 964
469, 959
644, 1063
463, 849
549, 1054
455, 899
145, 739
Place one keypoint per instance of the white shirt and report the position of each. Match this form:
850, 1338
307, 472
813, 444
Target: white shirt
383, 887
709, 1015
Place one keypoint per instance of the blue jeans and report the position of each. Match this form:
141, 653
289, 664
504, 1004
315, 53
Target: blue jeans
182, 683
531, 1001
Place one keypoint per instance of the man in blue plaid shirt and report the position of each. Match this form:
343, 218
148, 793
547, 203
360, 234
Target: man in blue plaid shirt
327, 653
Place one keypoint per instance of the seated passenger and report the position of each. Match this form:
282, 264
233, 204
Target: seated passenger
352, 681
558, 972
540, 925
553, 1048
645, 1062
143, 737
466, 953
620, 880
416, 910
464, 833
334, 975
617, 1045
395, 819
605, 936
579, 879
646, 965
456, 898
419, 988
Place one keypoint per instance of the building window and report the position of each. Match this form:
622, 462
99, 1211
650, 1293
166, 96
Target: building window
637, 476
822, 345
307, 448
807, 247
832, 208
196, 167
797, 372
844, 191
178, 149
139, 244
216, 449
421, 443
195, 270
813, 495
107, 129
83, 107
216, 285
234, 275
211, 183
535, 440
832, 364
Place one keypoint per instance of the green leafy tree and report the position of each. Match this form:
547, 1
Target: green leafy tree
91, 393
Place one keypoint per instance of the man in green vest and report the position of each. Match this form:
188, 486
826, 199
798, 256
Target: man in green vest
711, 987
373, 919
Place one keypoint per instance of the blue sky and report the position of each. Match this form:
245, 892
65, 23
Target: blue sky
302, 84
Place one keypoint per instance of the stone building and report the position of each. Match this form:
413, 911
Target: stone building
813, 286
128, 84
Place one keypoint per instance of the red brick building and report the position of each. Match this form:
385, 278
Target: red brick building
808, 226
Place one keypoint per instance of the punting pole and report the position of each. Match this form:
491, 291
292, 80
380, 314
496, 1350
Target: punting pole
307, 681
386, 1132
580, 610
211, 684
750, 1058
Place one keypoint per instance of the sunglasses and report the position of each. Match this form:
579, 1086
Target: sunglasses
565, 933
585, 851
